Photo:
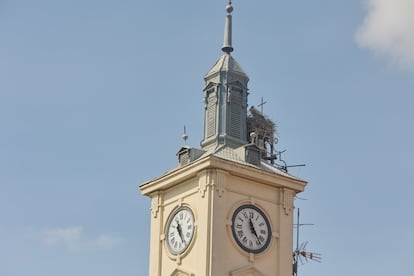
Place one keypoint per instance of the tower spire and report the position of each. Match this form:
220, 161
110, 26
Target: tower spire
225, 98
227, 45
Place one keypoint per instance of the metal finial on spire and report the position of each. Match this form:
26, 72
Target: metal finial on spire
229, 7
227, 47
185, 137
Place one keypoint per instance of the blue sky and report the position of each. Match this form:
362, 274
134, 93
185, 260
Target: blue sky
94, 96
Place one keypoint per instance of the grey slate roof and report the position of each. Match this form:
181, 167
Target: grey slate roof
233, 155
237, 156
226, 63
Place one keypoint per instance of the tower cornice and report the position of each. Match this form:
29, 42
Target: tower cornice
277, 179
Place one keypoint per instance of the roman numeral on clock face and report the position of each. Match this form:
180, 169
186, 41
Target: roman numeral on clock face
180, 230
251, 228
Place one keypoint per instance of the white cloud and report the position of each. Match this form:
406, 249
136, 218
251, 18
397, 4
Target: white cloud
106, 241
388, 30
70, 236
75, 238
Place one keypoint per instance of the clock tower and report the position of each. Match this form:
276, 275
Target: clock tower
224, 210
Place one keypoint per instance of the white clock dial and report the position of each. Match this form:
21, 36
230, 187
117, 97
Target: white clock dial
251, 229
180, 230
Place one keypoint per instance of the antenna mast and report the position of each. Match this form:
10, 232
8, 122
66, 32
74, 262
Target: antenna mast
300, 252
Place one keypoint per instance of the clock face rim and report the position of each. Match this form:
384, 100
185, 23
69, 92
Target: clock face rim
236, 237
171, 217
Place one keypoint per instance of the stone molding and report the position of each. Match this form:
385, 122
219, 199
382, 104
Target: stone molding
287, 200
179, 272
212, 179
246, 271
156, 203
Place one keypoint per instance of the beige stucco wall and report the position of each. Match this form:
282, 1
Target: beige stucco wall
213, 190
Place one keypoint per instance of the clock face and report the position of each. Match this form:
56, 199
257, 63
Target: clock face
251, 229
180, 230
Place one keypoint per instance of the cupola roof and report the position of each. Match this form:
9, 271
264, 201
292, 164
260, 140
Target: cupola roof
226, 63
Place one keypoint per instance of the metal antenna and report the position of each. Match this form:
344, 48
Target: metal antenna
300, 254
284, 165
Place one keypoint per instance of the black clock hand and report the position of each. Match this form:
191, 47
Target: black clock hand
180, 232
253, 231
